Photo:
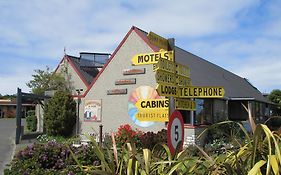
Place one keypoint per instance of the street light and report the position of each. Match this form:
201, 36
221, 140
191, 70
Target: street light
78, 105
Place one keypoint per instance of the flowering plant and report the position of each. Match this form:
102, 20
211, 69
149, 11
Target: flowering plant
126, 134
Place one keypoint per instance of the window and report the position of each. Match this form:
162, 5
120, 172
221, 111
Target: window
203, 113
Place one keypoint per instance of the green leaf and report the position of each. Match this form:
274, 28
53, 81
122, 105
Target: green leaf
256, 169
274, 164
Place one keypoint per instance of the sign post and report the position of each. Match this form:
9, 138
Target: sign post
175, 132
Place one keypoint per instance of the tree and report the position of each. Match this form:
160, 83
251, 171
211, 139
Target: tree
45, 80
60, 114
275, 97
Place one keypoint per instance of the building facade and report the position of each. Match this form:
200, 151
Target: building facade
110, 93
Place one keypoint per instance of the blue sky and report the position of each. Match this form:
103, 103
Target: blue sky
242, 36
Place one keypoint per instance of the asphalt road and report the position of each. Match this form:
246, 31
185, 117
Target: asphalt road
7, 141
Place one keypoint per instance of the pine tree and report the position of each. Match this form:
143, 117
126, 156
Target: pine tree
60, 114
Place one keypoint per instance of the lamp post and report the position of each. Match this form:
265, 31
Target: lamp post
78, 106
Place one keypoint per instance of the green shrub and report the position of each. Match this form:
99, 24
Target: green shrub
150, 139
31, 121
126, 134
51, 158
60, 114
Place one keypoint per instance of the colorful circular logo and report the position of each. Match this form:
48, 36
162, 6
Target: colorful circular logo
140, 93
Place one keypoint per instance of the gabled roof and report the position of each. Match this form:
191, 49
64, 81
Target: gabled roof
87, 73
203, 72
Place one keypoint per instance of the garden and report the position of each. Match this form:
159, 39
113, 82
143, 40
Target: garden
230, 149
130, 151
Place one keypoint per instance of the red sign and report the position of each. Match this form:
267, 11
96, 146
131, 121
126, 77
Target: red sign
175, 131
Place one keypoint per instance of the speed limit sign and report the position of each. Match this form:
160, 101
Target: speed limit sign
175, 131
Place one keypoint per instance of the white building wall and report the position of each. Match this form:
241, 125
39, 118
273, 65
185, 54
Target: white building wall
71, 77
115, 107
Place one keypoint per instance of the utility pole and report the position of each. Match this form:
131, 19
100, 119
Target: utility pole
78, 106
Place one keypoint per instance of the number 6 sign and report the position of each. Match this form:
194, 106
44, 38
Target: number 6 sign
175, 131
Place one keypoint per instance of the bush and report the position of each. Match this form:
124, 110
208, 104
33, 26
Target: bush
150, 139
126, 134
51, 158
60, 114
31, 121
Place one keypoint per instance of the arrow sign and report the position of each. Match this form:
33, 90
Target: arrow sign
152, 104
185, 104
167, 90
158, 41
152, 58
165, 77
201, 92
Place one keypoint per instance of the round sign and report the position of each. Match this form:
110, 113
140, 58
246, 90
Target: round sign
175, 131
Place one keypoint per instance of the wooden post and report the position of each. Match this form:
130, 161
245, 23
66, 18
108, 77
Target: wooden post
100, 142
171, 99
18, 117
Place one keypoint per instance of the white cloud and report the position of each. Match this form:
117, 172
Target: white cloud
37, 31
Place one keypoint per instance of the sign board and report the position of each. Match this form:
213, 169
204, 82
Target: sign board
152, 104
175, 131
200, 92
158, 41
165, 77
133, 71
92, 111
152, 58
182, 70
185, 104
116, 91
153, 115
167, 90
166, 65
125, 81
183, 81
152, 110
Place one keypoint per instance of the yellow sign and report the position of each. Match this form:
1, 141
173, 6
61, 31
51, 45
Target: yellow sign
165, 77
158, 41
152, 104
152, 58
155, 115
185, 104
183, 81
167, 90
166, 65
200, 92
182, 70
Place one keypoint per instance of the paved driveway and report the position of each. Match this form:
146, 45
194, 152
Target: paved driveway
7, 141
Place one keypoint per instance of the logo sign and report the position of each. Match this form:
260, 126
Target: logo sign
160, 115
152, 110
158, 41
175, 131
152, 104
185, 104
201, 92
165, 77
152, 58
167, 90
166, 65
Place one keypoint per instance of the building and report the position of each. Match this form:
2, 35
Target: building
8, 108
112, 91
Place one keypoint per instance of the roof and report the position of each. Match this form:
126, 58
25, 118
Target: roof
88, 73
205, 73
